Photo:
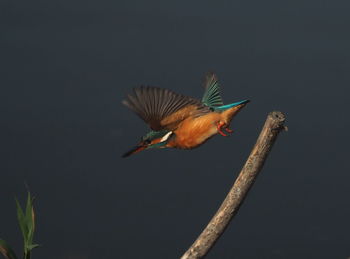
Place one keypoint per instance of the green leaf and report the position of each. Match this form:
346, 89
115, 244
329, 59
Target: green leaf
27, 224
21, 220
30, 247
6, 250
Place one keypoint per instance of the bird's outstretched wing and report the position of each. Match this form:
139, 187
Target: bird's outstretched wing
211, 97
162, 108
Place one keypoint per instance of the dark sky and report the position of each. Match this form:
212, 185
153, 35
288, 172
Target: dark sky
67, 65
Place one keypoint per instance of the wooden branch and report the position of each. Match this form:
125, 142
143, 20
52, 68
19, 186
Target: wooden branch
229, 207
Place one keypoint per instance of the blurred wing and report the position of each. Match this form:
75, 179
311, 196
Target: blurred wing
162, 108
211, 95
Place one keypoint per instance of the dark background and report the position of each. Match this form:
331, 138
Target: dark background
66, 66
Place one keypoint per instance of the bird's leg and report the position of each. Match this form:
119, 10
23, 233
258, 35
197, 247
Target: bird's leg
228, 130
219, 126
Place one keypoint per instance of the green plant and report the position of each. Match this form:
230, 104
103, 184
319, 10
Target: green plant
26, 220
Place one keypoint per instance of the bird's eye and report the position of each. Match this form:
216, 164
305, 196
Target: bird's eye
147, 141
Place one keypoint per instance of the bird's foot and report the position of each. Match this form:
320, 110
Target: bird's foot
219, 127
229, 130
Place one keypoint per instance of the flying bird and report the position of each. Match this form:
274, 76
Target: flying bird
179, 121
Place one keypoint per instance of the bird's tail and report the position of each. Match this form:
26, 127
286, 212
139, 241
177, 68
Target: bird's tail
228, 106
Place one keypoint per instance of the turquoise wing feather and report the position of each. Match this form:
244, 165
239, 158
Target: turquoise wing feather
212, 97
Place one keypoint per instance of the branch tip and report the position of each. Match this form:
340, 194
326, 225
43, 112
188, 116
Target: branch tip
274, 124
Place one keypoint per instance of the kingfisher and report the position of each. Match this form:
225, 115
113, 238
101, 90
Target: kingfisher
179, 121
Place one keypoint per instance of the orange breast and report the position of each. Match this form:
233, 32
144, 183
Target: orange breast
193, 132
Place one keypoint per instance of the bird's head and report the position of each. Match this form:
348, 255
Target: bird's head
153, 139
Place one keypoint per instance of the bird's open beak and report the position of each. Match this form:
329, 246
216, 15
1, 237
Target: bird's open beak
135, 150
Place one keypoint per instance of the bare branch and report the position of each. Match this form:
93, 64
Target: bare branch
229, 207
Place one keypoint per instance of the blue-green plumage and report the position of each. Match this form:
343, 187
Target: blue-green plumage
154, 135
228, 106
212, 97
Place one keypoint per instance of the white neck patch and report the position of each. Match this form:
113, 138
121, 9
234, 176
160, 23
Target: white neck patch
166, 136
